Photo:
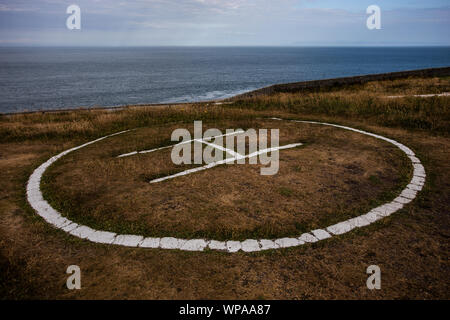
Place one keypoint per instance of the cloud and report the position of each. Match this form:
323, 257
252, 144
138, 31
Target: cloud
228, 4
221, 22
9, 8
177, 25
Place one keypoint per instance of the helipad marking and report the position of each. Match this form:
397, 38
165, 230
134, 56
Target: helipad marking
179, 144
42, 208
228, 160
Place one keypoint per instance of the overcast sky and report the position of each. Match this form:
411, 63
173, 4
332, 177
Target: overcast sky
224, 22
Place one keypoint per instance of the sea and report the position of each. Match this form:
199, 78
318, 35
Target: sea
37, 78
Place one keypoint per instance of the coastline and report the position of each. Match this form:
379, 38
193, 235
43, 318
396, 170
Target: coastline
306, 86
93, 188
299, 87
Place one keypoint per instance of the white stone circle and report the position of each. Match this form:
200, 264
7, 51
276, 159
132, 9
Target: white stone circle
43, 208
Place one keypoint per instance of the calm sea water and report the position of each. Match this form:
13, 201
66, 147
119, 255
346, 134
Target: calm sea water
54, 78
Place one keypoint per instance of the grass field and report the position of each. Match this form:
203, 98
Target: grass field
334, 175
411, 247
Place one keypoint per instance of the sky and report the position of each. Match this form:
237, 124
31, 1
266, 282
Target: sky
224, 23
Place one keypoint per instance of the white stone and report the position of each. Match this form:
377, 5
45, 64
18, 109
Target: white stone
385, 210
414, 187
419, 166
150, 243
402, 200
171, 243
307, 237
82, 232
372, 216
268, 244
234, 246
406, 150
60, 222
128, 240
52, 217
70, 227
414, 159
41, 207
102, 237
420, 174
394, 205
44, 207
217, 245
37, 174
250, 246
418, 181
288, 242
419, 170
359, 222
321, 234
37, 205
194, 245
409, 193
33, 187
340, 228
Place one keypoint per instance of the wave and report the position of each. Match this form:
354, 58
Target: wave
208, 96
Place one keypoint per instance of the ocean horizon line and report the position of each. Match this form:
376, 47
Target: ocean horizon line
44, 78
301, 85
234, 46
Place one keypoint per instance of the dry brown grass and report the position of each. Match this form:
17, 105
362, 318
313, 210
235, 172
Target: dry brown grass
411, 247
93, 123
369, 103
335, 175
